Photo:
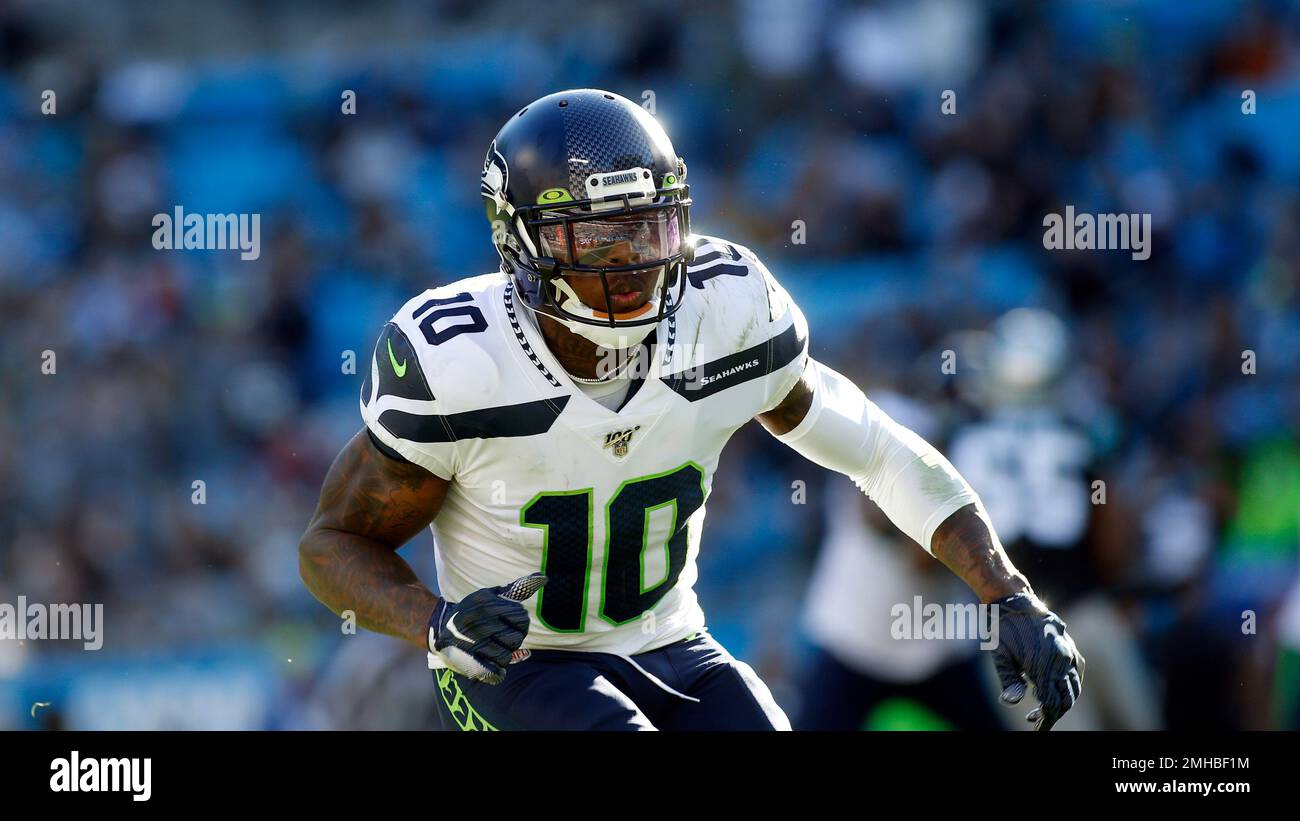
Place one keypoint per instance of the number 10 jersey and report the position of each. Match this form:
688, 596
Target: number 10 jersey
610, 505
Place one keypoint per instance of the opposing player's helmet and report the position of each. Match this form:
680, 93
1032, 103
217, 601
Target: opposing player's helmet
572, 177
1029, 351
1022, 359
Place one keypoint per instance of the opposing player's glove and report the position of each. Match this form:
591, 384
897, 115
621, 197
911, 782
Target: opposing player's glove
1032, 644
477, 635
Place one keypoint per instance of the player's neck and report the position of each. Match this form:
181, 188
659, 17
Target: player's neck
576, 354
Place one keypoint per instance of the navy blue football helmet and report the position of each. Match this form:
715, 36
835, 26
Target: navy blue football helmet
574, 176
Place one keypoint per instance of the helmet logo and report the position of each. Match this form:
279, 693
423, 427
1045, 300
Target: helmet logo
496, 177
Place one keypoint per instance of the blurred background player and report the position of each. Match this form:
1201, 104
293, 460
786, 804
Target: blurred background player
1035, 444
1032, 440
865, 568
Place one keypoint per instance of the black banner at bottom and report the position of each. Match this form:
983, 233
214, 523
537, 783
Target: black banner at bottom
496, 771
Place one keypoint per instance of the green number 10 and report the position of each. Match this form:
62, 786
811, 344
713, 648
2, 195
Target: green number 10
565, 518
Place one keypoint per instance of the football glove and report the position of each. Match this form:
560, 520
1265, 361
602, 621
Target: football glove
478, 635
1033, 645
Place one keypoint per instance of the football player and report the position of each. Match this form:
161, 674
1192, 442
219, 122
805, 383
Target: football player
559, 422
1034, 446
1023, 443
857, 661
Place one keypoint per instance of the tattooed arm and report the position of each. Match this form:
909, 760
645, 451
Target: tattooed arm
968, 546
370, 505
828, 420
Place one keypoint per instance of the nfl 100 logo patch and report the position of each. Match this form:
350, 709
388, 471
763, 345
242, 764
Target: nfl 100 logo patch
619, 440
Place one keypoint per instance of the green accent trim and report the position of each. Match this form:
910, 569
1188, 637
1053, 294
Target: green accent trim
546, 543
645, 537
400, 370
604, 572
670, 180
554, 195
462, 712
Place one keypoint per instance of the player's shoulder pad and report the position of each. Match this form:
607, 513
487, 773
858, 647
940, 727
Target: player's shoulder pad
741, 296
437, 348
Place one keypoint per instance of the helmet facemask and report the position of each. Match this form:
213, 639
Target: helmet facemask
605, 237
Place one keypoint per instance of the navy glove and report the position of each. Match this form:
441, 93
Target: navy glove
477, 635
1032, 645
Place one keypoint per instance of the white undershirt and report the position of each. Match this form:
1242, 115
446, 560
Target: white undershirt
610, 394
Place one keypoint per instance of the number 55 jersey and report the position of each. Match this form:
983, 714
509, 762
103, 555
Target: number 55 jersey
609, 504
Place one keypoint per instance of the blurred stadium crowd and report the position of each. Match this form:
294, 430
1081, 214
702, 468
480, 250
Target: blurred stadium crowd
183, 367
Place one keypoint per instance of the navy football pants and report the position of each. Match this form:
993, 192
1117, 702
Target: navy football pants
693, 684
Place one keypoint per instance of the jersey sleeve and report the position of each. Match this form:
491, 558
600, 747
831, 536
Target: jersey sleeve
783, 331
399, 408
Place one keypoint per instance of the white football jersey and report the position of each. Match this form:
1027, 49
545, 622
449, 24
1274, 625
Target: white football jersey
609, 504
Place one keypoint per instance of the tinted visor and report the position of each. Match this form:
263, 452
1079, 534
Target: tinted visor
629, 239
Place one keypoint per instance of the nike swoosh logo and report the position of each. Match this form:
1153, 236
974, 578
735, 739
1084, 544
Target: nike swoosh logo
1050, 630
400, 370
451, 625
